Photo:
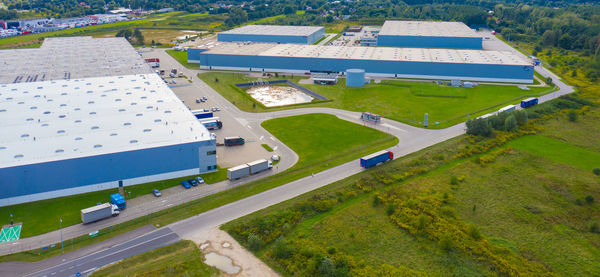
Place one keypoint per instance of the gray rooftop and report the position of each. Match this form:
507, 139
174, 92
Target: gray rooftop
71, 58
274, 30
426, 28
368, 53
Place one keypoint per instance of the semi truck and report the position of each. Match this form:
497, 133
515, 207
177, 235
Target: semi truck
153, 62
248, 169
232, 141
98, 212
118, 200
508, 108
238, 172
532, 101
259, 165
212, 123
376, 158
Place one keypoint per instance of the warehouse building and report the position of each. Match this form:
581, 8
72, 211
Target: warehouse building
422, 63
70, 135
273, 34
428, 34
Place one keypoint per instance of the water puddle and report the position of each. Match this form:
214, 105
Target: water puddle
272, 96
226, 245
221, 262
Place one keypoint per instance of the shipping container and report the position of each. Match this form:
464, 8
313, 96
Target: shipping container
238, 172
376, 158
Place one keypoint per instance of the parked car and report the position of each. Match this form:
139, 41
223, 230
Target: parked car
200, 180
185, 184
215, 109
193, 182
156, 192
198, 101
204, 98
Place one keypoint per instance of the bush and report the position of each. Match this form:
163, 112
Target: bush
474, 233
255, 243
595, 228
573, 116
282, 250
589, 199
376, 201
446, 243
326, 267
596, 171
453, 180
479, 127
510, 124
390, 209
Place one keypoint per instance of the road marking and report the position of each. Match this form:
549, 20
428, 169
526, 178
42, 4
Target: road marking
249, 127
261, 137
274, 148
272, 138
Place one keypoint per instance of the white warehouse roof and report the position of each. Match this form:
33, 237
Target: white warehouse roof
274, 30
71, 58
369, 53
64, 119
427, 29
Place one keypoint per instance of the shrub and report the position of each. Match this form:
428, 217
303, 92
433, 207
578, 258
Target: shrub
589, 199
453, 180
573, 116
326, 267
390, 209
255, 243
282, 250
474, 233
446, 243
376, 201
596, 171
595, 227
479, 127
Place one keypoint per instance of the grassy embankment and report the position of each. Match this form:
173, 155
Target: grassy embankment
398, 100
180, 259
324, 139
519, 208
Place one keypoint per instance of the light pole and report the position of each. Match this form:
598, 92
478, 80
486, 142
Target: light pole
61, 240
11, 219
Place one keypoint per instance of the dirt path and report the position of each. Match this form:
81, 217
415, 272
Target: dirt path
218, 241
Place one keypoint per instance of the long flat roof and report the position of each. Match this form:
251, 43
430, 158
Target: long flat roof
426, 29
71, 58
65, 119
274, 30
368, 53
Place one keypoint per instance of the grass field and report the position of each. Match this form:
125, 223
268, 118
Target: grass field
181, 57
399, 100
43, 216
180, 259
526, 211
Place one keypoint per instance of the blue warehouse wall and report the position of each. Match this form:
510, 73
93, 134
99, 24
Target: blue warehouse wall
316, 36
262, 38
430, 42
497, 72
79, 172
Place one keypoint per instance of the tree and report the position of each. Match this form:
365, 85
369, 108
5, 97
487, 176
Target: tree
479, 127
126, 33
510, 124
573, 116
565, 41
288, 10
237, 16
549, 38
137, 34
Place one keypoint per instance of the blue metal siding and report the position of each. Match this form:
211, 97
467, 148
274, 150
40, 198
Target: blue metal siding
430, 42
71, 173
496, 71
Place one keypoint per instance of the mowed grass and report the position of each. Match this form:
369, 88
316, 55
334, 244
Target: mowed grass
558, 151
181, 57
403, 101
180, 259
318, 137
43, 216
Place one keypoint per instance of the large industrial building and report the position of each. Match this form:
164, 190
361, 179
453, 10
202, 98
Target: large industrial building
273, 34
478, 65
68, 134
428, 34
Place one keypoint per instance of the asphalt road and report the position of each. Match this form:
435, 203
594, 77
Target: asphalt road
411, 139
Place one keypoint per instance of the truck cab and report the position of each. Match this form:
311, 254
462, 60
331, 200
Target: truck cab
118, 200
115, 210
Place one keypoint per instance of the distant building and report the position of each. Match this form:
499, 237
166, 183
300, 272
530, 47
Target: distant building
273, 34
428, 34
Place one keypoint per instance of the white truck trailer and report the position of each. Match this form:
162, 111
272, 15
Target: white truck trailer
98, 212
238, 172
259, 165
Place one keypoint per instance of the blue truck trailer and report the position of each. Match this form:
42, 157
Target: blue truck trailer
118, 200
529, 102
202, 114
376, 158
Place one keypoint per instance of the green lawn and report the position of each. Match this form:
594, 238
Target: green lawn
183, 258
558, 151
399, 100
43, 216
181, 57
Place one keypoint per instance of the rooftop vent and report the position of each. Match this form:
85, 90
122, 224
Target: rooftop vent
97, 145
59, 151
